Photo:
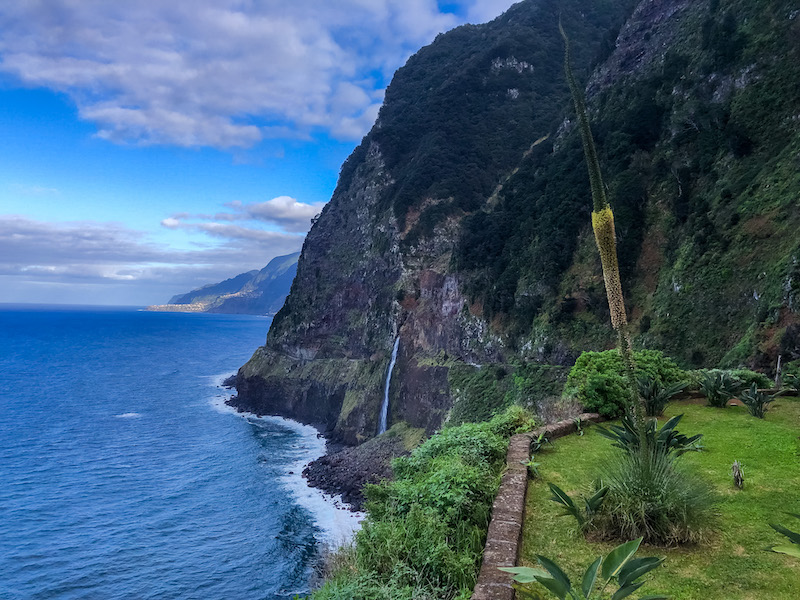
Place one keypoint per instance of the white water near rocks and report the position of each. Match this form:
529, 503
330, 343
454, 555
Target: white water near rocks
385, 407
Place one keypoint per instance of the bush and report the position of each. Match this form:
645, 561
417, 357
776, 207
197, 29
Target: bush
665, 440
718, 387
746, 378
424, 534
650, 496
597, 381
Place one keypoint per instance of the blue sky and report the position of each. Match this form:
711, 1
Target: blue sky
149, 148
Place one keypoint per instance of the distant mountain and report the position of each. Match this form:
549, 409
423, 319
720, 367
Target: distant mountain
253, 293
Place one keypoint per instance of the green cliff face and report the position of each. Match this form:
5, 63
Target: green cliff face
461, 222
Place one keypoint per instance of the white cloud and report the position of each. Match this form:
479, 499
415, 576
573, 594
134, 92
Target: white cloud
222, 73
57, 257
284, 212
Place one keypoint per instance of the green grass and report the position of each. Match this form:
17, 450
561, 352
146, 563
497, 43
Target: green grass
732, 564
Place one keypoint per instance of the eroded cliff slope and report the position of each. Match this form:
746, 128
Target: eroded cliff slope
460, 224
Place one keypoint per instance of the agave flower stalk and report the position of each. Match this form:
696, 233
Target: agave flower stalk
604, 235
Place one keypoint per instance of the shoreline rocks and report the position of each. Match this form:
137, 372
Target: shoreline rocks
346, 470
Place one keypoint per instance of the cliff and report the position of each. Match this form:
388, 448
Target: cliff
253, 293
461, 222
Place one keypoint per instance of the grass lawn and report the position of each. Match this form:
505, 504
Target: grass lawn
733, 563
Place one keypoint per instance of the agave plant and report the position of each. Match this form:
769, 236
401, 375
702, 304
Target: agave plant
756, 401
618, 568
793, 548
667, 439
655, 395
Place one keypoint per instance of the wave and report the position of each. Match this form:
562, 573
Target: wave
129, 415
336, 522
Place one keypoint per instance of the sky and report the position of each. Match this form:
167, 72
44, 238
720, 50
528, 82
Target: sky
148, 148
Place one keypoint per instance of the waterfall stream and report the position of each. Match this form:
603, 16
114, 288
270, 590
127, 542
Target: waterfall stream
385, 407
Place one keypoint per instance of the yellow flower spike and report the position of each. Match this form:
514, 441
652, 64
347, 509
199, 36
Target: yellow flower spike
605, 236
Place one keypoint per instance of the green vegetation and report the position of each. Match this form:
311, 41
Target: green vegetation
730, 564
655, 394
424, 534
718, 387
792, 549
756, 401
651, 495
596, 380
479, 393
619, 566
666, 440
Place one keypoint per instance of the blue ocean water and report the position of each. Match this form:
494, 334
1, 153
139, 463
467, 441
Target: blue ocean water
122, 477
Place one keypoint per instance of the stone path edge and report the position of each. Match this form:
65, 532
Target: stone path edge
508, 511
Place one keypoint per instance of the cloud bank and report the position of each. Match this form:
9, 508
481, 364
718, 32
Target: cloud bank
40, 261
222, 73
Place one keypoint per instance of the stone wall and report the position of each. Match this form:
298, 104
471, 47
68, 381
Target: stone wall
508, 512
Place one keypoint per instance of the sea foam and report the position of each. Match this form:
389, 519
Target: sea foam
335, 520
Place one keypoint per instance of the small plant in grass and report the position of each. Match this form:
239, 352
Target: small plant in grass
578, 425
793, 548
667, 439
655, 395
737, 472
756, 401
591, 505
618, 569
538, 442
718, 387
532, 466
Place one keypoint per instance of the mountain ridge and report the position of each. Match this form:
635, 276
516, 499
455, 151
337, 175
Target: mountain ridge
256, 292
471, 242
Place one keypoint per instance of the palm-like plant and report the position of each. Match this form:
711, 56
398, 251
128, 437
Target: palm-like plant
617, 568
655, 395
793, 547
718, 387
591, 505
756, 401
667, 439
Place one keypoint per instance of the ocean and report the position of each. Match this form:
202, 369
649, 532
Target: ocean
123, 475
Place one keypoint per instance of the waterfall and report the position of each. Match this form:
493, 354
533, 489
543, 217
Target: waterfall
385, 407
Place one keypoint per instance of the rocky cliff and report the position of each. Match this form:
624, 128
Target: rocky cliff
460, 223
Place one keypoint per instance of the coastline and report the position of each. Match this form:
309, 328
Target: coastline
336, 520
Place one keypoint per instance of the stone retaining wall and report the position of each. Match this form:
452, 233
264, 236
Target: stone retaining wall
505, 529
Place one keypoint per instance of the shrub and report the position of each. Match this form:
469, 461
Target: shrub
666, 440
718, 387
655, 394
755, 401
650, 496
424, 534
746, 378
597, 381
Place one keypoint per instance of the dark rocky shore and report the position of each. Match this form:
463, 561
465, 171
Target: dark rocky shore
347, 470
